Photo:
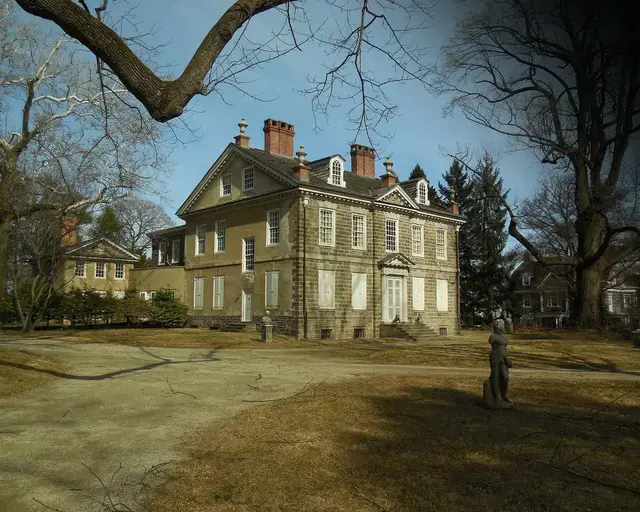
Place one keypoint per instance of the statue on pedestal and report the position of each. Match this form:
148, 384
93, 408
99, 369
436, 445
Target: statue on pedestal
496, 389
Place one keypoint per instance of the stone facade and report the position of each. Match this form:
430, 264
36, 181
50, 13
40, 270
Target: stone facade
336, 303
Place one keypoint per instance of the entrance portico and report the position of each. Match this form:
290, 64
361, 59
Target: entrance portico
394, 271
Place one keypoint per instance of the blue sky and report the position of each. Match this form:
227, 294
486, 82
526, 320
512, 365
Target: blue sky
418, 134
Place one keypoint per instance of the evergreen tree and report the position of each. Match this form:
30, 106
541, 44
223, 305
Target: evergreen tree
486, 239
107, 225
417, 173
457, 182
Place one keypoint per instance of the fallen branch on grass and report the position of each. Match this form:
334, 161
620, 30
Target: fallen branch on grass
174, 392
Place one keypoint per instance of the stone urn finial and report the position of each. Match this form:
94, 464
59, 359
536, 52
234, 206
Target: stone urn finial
388, 165
243, 125
301, 153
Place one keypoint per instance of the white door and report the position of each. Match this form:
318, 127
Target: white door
394, 285
247, 309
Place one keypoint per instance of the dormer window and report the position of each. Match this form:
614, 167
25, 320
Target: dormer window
526, 280
336, 173
422, 193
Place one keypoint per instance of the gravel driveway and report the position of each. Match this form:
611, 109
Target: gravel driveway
131, 408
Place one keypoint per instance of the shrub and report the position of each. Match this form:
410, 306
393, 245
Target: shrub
133, 310
167, 310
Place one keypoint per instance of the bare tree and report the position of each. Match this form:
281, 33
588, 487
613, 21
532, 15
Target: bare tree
360, 36
560, 78
69, 139
138, 217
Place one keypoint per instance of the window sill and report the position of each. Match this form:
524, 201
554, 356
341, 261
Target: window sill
326, 245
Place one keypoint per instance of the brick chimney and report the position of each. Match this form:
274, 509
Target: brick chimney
302, 170
455, 207
363, 161
278, 137
242, 140
69, 231
390, 177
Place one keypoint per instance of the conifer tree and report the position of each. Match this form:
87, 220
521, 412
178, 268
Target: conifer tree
432, 193
107, 225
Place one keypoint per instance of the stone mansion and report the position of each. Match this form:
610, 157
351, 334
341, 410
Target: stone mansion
329, 252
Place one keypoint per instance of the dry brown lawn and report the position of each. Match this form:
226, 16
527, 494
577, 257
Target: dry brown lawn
413, 443
14, 380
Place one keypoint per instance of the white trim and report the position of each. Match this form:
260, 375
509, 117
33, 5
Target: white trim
333, 227
253, 178
244, 254
219, 279
397, 188
196, 280
276, 289
364, 231
332, 275
358, 276
84, 269
117, 246
222, 177
197, 248
216, 247
268, 234
161, 260
105, 269
421, 229
115, 272
446, 239
330, 178
175, 243
397, 235
424, 182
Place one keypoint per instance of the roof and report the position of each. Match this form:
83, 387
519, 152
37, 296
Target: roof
173, 230
83, 249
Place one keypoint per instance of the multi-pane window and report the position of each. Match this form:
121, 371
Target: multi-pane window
358, 232
162, 253
417, 240
336, 173
225, 185
175, 251
526, 301
441, 244
218, 291
220, 236
201, 235
81, 269
248, 254
526, 280
100, 270
327, 227
198, 292
119, 271
248, 179
271, 288
553, 300
273, 227
326, 289
391, 235
422, 193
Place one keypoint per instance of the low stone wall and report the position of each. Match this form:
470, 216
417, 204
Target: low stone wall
285, 324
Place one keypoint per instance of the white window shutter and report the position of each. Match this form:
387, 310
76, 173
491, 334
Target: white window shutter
418, 293
326, 288
331, 289
442, 296
272, 289
359, 290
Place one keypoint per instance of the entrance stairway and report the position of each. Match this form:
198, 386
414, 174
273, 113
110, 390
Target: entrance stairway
414, 332
239, 327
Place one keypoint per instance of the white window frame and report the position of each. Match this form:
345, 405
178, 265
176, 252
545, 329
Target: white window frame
217, 238
84, 269
162, 253
245, 246
527, 296
418, 305
271, 297
201, 228
246, 178
104, 270
115, 271
175, 251
223, 179
196, 280
333, 227
355, 304
441, 255
336, 170
326, 278
275, 228
387, 223
550, 297
362, 216
442, 283
420, 229
526, 279
422, 193
218, 299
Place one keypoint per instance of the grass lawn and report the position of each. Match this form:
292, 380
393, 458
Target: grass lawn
408, 443
15, 380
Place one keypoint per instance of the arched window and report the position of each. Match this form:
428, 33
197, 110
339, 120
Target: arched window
336, 173
422, 193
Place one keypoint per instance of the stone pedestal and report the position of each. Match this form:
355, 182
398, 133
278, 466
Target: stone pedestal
635, 337
267, 333
489, 402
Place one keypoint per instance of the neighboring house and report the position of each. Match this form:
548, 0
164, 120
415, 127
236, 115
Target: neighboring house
543, 297
165, 269
328, 252
99, 264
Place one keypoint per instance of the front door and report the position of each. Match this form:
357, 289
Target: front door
247, 309
394, 285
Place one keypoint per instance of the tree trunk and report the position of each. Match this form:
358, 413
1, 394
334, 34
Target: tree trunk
586, 305
5, 228
28, 324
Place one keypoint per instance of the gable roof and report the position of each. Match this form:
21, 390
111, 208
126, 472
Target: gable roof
84, 250
397, 189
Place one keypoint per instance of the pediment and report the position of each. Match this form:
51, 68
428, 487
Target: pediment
103, 249
396, 260
397, 196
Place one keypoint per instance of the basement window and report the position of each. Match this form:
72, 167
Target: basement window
358, 332
443, 331
325, 334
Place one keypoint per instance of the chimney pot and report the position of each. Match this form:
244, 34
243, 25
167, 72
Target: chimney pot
278, 137
363, 160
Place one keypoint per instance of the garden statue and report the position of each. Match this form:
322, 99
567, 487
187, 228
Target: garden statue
396, 320
419, 319
496, 389
508, 324
267, 327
